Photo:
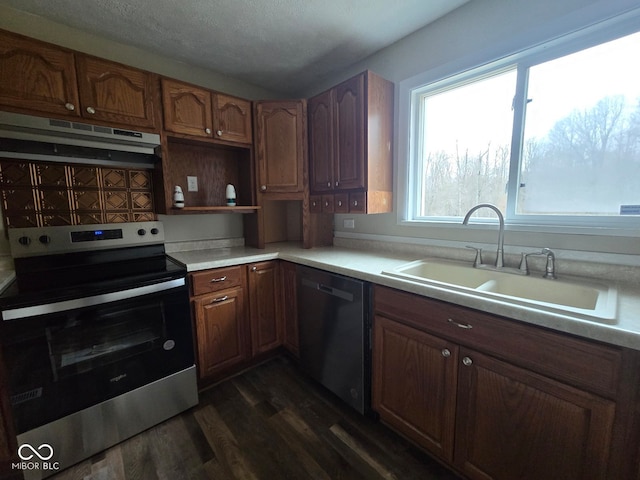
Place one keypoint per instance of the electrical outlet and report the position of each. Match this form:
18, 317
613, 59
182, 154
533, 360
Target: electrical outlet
192, 184
349, 223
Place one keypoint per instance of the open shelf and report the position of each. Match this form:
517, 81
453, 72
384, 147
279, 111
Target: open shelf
221, 209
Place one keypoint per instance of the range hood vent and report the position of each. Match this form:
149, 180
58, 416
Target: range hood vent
65, 132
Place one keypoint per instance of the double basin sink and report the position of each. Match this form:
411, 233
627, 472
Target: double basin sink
587, 300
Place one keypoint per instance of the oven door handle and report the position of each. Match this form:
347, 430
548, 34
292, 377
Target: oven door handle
66, 305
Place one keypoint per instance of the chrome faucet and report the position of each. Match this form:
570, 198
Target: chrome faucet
550, 269
500, 253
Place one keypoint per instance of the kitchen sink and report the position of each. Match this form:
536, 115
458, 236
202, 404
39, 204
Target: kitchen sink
583, 299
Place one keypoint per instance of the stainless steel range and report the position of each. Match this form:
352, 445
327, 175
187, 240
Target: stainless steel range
96, 337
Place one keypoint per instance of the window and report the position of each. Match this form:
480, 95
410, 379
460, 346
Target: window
550, 137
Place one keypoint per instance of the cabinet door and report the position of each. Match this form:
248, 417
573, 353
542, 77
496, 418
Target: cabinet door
349, 168
36, 76
512, 423
288, 288
221, 331
321, 142
187, 109
114, 93
281, 145
264, 306
232, 118
414, 384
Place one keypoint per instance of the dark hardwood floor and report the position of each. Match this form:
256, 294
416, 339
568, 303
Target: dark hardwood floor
268, 423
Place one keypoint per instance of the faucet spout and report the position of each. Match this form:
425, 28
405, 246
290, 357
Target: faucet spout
500, 251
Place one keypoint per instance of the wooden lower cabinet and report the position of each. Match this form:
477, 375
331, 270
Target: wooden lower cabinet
478, 405
221, 331
288, 287
420, 402
264, 307
238, 316
513, 423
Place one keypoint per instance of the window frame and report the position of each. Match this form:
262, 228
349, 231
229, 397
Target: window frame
442, 78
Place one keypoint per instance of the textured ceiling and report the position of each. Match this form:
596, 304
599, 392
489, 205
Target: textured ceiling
280, 45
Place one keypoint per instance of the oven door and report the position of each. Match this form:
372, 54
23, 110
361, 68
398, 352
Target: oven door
66, 356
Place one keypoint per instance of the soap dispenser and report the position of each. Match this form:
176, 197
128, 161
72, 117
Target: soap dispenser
178, 197
231, 196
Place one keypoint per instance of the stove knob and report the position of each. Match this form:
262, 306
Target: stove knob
44, 239
25, 241
154, 231
142, 232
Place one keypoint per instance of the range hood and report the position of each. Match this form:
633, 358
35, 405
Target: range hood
70, 132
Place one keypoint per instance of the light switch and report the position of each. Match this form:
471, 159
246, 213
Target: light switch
192, 184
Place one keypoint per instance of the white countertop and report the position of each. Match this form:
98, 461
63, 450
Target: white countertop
368, 265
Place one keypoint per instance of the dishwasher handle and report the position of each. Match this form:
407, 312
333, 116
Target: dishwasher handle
336, 292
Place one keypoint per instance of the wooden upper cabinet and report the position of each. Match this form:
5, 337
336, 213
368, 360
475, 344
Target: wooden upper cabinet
321, 142
350, 143
281, 145
350, 135
232, 118
36, 76
115, 93
187, 109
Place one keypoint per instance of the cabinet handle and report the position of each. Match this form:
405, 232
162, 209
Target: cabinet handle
254, 269
219, 132
91, 110
467, 361
220, 299
446, 352
221, 279
70, 106
263, 188
207, 131
461, 325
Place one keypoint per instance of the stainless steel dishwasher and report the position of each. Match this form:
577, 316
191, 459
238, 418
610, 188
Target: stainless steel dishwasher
334, 325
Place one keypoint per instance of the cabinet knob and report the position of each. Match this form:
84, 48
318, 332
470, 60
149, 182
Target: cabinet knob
329, 184
339, 203
70, 106
446, 352
314, 203
207, 131
355, 203
91, 110
337, 183
326, 204
263, 188
467, 361
219, 132
254, 269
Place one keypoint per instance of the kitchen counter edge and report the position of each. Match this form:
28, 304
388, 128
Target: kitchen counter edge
368, 265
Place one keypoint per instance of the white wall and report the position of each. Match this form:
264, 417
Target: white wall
476, 33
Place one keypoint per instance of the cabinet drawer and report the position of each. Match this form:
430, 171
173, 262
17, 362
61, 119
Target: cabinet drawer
582, 363
216, 280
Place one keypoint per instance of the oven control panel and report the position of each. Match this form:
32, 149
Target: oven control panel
27, 242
